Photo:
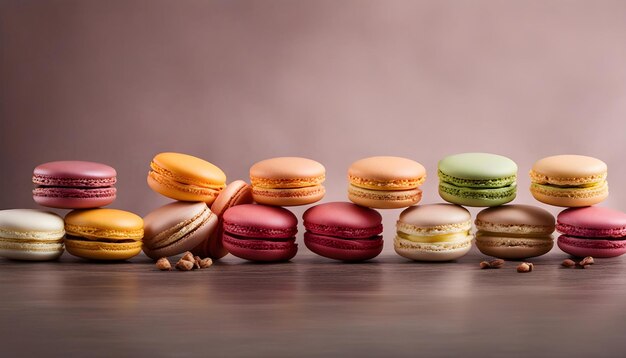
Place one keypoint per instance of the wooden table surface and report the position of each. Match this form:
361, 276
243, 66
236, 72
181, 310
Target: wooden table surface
313, 307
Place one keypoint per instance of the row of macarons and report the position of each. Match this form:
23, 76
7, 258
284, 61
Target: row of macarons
336, 230
469, 179
385, 182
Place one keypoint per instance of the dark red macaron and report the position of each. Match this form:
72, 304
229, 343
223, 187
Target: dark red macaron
74, 184
343, 231
260, 232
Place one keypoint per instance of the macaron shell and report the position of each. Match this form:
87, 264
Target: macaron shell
180, 191
74, 173
109, 224
260, 222
581, 247
570, 197
568, 170
287, 172
288, 197
386, 173
434, 218
343, 249
30, 223
188, 169
343, 219
25, 253
432, 252
30, 251
105, 251
236, 193
593, 217
187, 243
477, 197
513, 248
260, 250
384, 199
478, 166
74, 198
516, 219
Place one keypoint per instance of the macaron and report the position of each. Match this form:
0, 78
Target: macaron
433, 232
32, 235
569, 180
184, 177
287, 181
514, 231
343, 231
103, 234
592, 231
235, 193
385, 182
260, 232
74, 184
177, 227
477, 179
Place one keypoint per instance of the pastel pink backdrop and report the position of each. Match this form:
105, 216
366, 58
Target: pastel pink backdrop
235, 82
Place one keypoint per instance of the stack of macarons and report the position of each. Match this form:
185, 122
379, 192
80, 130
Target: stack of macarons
88, 231
92, 232
189, 223
578, 183
265, 232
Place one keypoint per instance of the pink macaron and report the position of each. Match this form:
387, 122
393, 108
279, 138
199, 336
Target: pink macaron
260, 232
74, 184
592, 231
343, 231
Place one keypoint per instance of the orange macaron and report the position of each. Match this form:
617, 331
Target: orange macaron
185, 177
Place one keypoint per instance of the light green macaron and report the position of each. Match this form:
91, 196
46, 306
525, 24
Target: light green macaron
477, 179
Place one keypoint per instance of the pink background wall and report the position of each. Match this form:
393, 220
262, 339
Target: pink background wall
235, 82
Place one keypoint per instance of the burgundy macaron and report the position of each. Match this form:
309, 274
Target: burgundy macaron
260, 232
343, 231
74, 184
592, 231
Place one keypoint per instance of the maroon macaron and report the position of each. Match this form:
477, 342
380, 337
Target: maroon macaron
343, 231
74, 184
260, 232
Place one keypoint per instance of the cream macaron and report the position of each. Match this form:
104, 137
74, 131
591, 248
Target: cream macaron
433, 232
33, 235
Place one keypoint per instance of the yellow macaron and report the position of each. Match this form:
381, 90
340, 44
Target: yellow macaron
185, 177
103, 234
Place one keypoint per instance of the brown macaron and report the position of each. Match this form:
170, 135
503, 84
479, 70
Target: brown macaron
514, 231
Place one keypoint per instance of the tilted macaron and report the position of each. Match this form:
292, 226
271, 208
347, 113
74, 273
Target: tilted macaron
103, 234
260, 232
33, 235
74, 184
184, 177
343, 231
592, 231
433, 232
385, 182
287, 181
514, 231
235, 193
569, 180
177, 227
477, 179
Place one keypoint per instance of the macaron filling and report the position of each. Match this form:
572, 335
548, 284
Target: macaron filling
285, 183
571, 191
99, 239
450, 237
389, 184
478, 193
477, 183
